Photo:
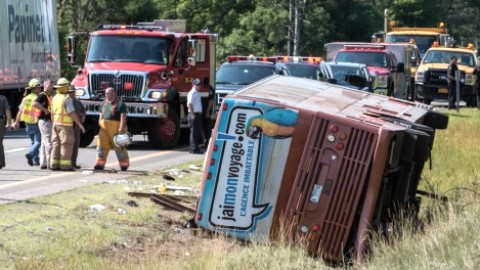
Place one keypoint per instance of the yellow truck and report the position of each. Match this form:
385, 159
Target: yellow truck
424, 38
431, 77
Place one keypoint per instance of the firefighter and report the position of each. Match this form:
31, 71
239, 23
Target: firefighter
63, 135
28, 114
112, 121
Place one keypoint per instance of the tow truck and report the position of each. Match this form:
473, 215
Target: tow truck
431, 77
389, 72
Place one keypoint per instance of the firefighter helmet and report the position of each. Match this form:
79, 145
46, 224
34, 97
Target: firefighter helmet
122, 140
34, 83
62, 85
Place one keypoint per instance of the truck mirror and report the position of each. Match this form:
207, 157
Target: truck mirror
71, 49
413, 61
192, 61
400, 67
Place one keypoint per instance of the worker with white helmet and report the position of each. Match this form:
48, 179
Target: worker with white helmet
112, 121
63, 135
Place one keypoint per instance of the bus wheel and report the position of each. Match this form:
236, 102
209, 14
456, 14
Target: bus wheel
164, 133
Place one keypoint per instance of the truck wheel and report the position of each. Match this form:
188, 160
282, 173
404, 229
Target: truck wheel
87, 138
164, 133
427, 101
472, 101
477, 97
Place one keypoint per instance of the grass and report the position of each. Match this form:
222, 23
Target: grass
61, 232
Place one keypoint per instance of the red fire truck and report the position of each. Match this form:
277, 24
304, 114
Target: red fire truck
151, 69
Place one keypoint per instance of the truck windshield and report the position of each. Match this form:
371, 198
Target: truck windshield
339, 73
152, 50
303, 70
371, 59
423, 42
436, 56
243, 74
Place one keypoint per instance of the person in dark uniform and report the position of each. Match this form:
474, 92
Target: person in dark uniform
81, 111
452, 69
5, 119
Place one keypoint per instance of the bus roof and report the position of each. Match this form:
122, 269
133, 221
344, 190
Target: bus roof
316, 96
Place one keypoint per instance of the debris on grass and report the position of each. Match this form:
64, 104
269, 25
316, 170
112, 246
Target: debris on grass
97, 207
120, 181
194, 167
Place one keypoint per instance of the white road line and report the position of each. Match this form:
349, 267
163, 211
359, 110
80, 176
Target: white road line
15, 150
63, 174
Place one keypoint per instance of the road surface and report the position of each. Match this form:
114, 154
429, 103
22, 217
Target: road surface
19, 181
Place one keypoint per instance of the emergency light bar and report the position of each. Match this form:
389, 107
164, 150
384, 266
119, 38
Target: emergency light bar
360, 47
233, 58
130, 27
298, 59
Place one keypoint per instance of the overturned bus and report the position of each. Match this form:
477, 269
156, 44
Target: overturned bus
321, 163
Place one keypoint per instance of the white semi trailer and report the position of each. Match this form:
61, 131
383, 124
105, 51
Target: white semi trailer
29, 45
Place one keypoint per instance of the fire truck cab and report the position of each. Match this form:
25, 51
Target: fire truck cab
151, 68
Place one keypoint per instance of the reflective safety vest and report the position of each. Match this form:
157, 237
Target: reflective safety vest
29, 112
59, 112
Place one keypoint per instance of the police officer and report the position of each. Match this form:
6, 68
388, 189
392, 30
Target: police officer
5, 119
452, 93
63, 136
28, 114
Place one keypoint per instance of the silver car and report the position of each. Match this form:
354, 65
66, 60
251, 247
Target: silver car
350, 75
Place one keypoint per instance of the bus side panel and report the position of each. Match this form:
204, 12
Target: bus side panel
247, 158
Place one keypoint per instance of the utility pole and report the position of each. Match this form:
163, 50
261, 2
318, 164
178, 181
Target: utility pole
289, 28
296, 31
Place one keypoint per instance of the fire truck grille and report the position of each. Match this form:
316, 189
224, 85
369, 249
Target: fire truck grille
127, 86
342, 174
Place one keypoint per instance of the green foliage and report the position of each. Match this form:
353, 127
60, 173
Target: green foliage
262, 27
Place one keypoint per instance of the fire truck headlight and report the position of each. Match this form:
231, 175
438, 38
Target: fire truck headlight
381, 81
156, 94
420, 76
470, 79
79, 92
